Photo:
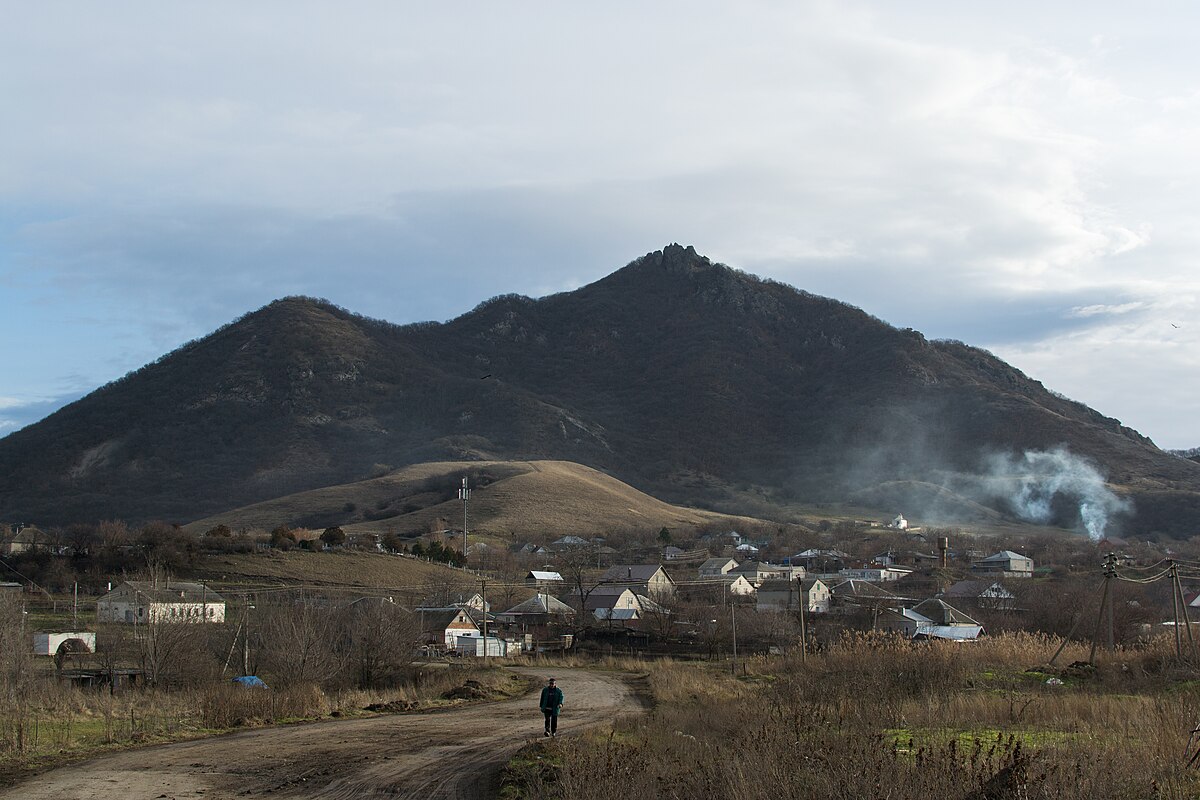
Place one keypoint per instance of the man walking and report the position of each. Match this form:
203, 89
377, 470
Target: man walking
551, 703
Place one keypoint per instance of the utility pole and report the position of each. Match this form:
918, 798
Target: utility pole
733, 622
483, 583
464, 494
246, 641
1178, 598
1110, 571
803, 632
1175, 611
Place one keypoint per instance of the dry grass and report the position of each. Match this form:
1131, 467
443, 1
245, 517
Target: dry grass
341, 568
878, 717
560, 496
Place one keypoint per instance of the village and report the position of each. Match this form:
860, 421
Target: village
716, 598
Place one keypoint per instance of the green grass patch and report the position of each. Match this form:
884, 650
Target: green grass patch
535, 765
907, 740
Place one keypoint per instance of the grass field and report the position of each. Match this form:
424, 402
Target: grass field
372, 572
527, 498
877, 717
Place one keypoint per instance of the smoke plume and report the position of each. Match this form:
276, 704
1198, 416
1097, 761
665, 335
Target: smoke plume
1039, 484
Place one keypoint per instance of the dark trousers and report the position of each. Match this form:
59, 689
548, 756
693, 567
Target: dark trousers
551, 720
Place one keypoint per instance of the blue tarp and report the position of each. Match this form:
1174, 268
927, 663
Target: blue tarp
251, 681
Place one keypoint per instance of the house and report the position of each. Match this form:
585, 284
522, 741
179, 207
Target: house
788, 595
821, 561
569, 543
717, 588
440, 602
603, 600
758, 571
876, 574
652, 579
7, 587
906, 558
1005, 564
716, 567
442, 626
899, 523
853, 594
691, 556
541, 609
983, 594
27, 539
932, 619
543, 579
141, 602
746, 549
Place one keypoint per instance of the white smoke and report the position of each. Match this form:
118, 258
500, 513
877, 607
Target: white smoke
1034, 482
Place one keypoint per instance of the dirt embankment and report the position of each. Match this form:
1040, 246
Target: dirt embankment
451, 754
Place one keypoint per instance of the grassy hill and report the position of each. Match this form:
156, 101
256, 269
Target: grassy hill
510, 500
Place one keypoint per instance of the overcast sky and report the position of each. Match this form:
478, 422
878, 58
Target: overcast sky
1026, 180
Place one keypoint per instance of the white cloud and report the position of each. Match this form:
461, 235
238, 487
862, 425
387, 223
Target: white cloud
1107, 310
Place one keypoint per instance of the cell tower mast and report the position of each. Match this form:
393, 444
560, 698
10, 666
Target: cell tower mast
464, 494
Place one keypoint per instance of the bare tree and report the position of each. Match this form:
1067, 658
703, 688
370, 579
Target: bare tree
16, 667
659, 614
382, 638
300, 640
16, 660
170, 649
578, 571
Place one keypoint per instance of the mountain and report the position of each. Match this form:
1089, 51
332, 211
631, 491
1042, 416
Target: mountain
679, 376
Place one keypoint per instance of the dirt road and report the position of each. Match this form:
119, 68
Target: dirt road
451, 754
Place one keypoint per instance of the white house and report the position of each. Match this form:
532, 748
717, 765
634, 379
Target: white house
141, 602
443, 626
1005, 564
543, 579
899, 523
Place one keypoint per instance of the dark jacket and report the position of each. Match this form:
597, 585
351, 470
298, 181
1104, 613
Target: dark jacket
552, 699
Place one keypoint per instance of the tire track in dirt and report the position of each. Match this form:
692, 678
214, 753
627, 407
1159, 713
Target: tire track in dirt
455, 754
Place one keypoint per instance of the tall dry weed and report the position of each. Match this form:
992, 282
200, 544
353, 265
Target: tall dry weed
875, 716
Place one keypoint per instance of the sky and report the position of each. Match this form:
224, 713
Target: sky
1023, 179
